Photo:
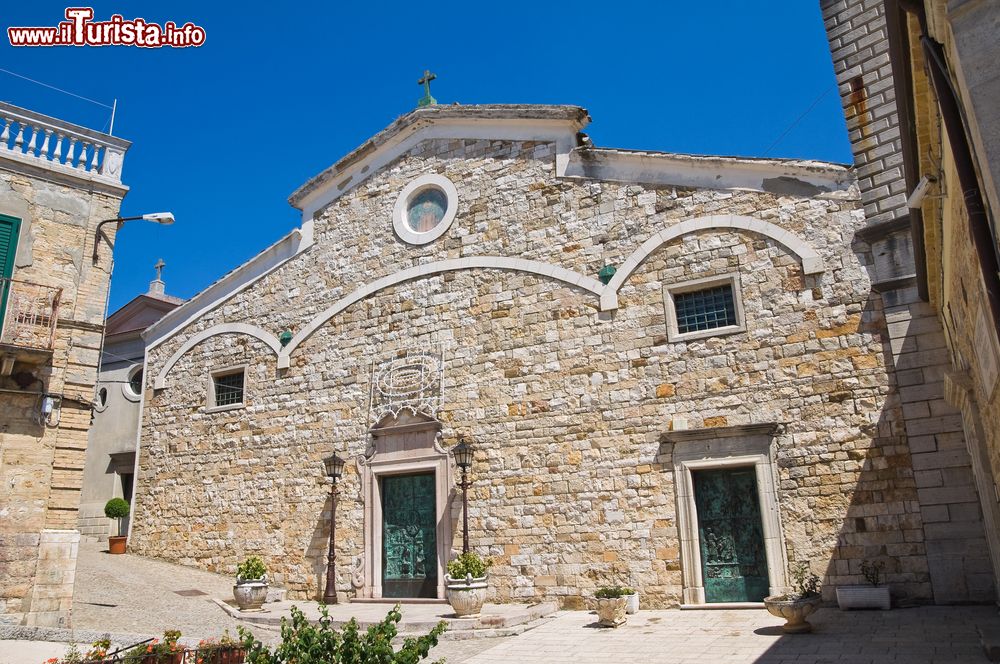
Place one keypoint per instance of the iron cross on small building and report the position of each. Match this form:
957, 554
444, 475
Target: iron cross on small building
159, 269
425, 80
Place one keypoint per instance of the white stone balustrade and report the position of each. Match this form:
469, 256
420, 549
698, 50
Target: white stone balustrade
58, 145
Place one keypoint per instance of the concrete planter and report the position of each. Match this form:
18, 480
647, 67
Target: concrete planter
250, 593
863, 597
794, 611
611, 612
466, 596
117, 545
632, 603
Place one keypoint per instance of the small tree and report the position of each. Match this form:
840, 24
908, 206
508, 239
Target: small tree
117, 508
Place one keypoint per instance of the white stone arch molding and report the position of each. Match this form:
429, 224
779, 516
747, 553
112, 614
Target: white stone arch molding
223, 328
467, 263
812, 263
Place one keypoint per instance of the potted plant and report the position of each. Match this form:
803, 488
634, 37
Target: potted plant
874, 595
466, 584
795, 606
632, 601
116, 508
612, 603
250, 590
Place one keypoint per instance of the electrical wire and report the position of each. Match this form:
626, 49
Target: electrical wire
52, 87
799, 119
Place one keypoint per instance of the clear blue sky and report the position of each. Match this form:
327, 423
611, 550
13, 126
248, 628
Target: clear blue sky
224, 132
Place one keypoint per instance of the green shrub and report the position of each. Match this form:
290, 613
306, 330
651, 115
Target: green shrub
613, 592
468, 563
806, 582
306, 643
251, 569
872, 571
117, 508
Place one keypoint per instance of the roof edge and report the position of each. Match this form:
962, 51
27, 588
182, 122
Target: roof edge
574, 116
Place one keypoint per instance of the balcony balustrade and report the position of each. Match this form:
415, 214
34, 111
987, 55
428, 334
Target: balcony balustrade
30, 312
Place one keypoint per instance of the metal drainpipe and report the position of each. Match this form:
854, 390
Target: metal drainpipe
979, 225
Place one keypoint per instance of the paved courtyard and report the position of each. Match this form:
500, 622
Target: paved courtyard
132, 595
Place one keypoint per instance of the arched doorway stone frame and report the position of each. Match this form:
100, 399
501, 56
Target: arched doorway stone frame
389, 454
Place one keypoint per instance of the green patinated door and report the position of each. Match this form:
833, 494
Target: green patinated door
733, 564
9, 228
409, 536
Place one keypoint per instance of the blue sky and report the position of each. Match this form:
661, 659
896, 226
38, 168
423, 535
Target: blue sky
223, 133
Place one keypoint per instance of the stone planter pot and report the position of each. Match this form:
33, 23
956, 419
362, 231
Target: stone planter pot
863, 597
250, 593
466, 596
794, 611
611, 612
632, 603
117, 545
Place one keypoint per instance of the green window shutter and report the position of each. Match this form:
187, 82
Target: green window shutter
9, 228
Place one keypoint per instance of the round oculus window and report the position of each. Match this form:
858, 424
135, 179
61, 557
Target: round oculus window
425, 209
135, 382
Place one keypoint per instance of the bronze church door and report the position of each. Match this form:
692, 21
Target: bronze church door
409, 536
731, 537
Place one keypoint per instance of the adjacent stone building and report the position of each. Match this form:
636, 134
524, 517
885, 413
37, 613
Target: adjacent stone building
57, 182
110, 464
920, 88
673, 368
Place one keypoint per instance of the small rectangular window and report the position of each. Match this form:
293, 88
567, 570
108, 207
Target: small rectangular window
705, 309
227, 388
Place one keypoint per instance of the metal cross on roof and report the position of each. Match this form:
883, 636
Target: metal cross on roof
159, 268
425, 80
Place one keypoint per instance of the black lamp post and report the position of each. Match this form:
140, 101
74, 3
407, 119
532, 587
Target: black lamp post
334, 466
463, 457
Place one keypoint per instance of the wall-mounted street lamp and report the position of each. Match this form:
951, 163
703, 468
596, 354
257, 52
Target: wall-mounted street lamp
334, 467
463, 453
164, 218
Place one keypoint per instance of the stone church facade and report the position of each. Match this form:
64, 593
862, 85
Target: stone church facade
724, 406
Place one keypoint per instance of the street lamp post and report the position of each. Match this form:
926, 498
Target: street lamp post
334, 466
463, 457
165, 218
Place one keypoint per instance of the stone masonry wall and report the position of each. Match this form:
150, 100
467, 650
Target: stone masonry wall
572, 486
41, 464
954, 530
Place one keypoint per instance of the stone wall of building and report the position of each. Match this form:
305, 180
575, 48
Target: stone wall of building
956, 541
41, 463
573, 484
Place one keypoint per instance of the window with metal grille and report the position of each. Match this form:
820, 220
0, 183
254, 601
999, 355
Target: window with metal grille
228, 388
705, 309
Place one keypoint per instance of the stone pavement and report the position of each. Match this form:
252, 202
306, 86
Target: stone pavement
925, 635
129, 594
